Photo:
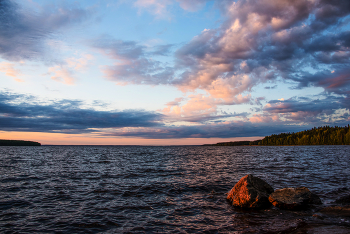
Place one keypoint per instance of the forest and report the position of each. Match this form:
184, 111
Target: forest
316, 136
235, 143
18, 143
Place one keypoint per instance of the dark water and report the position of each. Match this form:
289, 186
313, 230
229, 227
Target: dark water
175, 189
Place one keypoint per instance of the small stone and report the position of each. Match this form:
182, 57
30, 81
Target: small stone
250, 192
293, 198
317, 216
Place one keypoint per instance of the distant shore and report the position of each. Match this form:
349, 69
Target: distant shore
18, 143
316, 136
235, 143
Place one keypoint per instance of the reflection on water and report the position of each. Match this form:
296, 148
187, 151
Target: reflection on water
141, 189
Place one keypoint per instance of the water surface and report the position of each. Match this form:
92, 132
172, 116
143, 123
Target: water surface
164, 189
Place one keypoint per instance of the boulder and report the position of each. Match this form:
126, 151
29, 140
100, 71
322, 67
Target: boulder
294, 198
250, 192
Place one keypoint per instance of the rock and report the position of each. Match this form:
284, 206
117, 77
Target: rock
250, 192
326, 229
318, 216
337, 211
293, 198
343, 200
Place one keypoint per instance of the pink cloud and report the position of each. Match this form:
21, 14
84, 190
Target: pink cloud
65, 72
193, 5
336, 82
196, 105
61, 74
9, 69
156, 7
81, 63
264, 118
160, 7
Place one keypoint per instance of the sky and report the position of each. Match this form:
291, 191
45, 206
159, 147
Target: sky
171, 72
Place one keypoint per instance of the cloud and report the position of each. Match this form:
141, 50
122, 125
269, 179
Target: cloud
10, 70
265, 118
269, 40
157, 7
200, 108
270, 87
193, 5
65, 72
24, 34
332, 81
133, 63
213, 130
20, 112
304, 43
61, 74
162, 50
81, 63
26, 113
197, 105
318, 111
160, 8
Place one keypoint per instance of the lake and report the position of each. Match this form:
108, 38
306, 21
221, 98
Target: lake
162, 189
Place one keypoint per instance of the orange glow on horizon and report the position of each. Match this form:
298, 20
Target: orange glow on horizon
86, 139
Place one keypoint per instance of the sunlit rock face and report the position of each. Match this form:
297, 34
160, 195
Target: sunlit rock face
294, 198
250, 192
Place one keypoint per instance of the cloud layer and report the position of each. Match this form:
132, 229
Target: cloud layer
259, 44
22, 113
24, 34
26, 113
305, 42
268, 40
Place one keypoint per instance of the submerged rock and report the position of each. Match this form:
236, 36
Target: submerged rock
337, 211
250, 192
294, 198
343, 200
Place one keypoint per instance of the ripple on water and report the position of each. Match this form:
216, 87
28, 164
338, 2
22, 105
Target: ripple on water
144, 189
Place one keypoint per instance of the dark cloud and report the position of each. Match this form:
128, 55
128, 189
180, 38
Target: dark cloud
162, 50
206, 118
23, 34
192, 5
270, 87
336, 81
26, 113
118, 49
317, 112
66, 116
268, 40
237, 129
306, 42
134, 62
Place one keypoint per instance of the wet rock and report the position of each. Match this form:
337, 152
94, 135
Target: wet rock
337, 211
343, 200
294, 198
318, 216
250, 192
328, 229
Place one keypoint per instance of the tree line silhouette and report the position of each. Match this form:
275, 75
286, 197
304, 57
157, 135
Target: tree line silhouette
18, 143
325, 135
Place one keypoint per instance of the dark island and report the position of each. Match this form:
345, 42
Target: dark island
18, 143
316, 136
235, 143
